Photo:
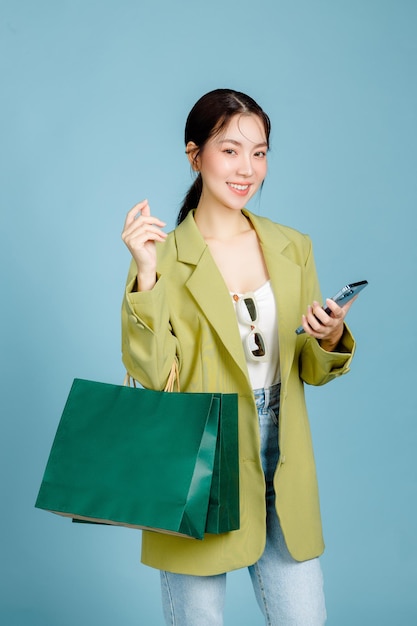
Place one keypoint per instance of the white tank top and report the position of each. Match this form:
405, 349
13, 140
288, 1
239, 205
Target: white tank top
262, 373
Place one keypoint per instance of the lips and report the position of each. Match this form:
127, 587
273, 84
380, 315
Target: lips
238, 188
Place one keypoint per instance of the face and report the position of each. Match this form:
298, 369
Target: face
233, 164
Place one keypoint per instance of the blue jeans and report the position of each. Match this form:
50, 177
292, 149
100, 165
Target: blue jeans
289, 593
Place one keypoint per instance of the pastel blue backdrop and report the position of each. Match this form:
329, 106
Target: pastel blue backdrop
94, 96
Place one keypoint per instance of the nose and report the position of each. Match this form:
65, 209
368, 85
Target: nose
245, 165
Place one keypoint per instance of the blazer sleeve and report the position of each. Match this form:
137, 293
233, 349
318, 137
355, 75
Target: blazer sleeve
317, 366
148, 344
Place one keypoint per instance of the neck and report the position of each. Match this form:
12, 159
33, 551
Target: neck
220, 223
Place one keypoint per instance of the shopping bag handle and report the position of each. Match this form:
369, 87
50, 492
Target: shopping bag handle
128, 379
173, 378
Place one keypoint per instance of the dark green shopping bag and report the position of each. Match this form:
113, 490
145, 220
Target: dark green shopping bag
147, 459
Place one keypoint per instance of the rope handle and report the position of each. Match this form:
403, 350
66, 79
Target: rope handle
129, 379
173, 378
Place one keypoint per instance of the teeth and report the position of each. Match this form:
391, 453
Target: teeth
239, 187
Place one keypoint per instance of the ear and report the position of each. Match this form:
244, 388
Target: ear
193, 153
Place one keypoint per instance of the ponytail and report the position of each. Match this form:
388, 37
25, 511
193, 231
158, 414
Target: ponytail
191, 199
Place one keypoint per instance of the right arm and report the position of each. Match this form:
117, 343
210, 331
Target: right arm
148, 346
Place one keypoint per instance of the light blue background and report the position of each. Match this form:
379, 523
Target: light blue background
94, 96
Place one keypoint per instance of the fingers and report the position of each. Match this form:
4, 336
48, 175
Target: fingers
137, 210
314, 319
326, 325
347, 306
142, 209
140, 226
318, 323
336, 311
138, 238
144, 224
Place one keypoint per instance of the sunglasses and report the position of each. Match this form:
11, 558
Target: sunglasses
247, 313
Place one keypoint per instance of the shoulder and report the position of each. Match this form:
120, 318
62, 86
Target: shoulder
291, 233
273, 233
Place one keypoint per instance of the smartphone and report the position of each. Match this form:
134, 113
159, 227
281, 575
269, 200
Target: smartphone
342, 297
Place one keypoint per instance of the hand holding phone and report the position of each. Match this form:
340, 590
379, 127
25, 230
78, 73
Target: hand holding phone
343, 296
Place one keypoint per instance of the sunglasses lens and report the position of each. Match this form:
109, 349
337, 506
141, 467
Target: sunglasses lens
251, 308
256, 344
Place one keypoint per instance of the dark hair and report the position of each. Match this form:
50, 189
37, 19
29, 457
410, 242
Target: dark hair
207, 118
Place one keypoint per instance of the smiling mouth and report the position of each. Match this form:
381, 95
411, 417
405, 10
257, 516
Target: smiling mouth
238, 187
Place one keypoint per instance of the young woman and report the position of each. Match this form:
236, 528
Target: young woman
223, 293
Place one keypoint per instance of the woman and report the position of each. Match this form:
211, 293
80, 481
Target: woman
223, 293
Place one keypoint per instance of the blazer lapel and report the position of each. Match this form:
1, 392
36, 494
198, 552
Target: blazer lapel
208, 288
285, 276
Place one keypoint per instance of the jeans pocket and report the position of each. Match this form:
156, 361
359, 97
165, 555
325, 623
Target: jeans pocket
273, 415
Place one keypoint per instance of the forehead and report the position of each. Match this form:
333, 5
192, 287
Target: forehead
244, 127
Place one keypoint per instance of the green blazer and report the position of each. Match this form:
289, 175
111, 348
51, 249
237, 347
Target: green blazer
189, 314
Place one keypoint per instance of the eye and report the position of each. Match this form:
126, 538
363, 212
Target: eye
261, 154
229, 151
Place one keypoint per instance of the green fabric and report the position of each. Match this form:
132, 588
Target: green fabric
146, 459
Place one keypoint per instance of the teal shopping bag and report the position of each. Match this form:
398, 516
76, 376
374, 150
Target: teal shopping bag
223, 510
147, 459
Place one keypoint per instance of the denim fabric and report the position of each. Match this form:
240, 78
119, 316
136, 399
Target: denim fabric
289, 593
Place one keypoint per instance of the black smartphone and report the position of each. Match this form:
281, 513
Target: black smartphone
342, 297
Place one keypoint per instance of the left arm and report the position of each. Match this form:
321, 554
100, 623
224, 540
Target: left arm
327, 345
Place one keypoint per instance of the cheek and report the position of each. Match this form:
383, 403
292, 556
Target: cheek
216, 164
262, 169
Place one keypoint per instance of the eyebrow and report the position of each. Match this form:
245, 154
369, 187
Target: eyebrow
237, 143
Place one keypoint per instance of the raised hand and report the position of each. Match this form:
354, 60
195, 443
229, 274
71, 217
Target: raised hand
140, 233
